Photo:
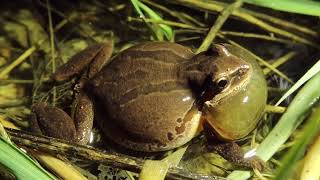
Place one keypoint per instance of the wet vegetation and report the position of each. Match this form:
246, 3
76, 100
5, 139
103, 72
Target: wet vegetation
36, 37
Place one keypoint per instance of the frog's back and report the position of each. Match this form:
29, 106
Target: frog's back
148, 107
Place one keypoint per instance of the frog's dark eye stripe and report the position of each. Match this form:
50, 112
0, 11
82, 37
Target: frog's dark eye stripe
213, 51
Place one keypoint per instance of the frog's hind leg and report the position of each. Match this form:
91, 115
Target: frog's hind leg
94, 57
54, 122
83, 114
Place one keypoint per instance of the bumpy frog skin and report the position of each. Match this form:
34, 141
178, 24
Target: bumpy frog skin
150, 97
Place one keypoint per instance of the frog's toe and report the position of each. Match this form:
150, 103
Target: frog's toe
53, 122
257, 163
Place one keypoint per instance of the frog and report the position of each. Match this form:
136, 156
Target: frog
157, 96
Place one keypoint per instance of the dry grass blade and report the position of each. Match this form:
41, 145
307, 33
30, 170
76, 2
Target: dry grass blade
280, 61
257, 36
211, 6
310, 130
4, 73
183, 17
170, 23
283, 23
53, 59
217, 25
312, 162
68, 27
57, 146
277, 21
274, 109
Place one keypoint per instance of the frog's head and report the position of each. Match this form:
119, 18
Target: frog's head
227, 74
237, 93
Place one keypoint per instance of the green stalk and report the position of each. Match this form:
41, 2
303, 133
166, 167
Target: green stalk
306, 7
21, 165
159, 29
297, 151
309, 74
217, 25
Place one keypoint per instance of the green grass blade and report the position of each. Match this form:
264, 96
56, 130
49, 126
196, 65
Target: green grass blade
135, 4
162, 28
306, 7
297, 151
21, 165
298, 109
167, 30
206, 43
309, 74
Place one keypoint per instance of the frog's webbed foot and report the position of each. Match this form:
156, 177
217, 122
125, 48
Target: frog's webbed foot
233, 153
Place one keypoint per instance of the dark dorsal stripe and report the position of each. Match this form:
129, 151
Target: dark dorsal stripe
159, 55
150, 88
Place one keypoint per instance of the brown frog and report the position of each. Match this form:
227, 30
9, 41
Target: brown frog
157, 96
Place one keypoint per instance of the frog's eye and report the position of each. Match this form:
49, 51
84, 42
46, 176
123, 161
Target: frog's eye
222, 83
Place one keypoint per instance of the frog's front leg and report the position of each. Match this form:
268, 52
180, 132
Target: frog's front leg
231, 151
54, 122
93, 58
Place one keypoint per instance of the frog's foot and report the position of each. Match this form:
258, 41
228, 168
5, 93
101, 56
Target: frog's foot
257, 163
54, 122
233, 153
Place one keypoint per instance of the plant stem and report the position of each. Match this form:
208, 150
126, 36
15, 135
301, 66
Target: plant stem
217, 25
